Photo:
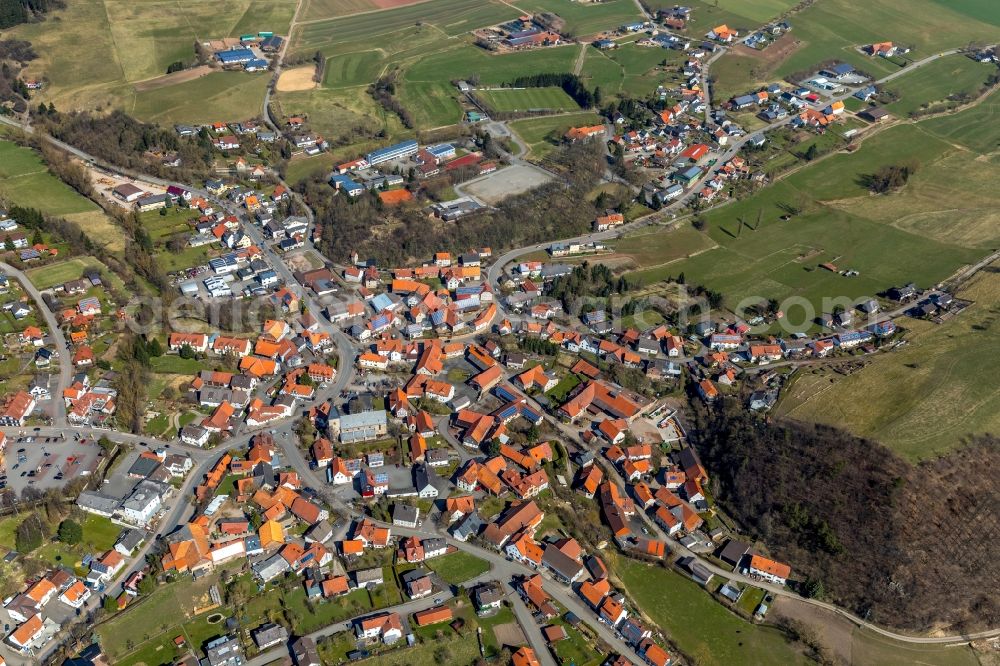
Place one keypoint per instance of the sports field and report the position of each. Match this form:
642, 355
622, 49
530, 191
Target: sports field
527, 99
947, 364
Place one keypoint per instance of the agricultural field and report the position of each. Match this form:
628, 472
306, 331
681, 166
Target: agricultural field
929, 87
138, 45
977, 129
543, 134
25, 181
584, 19
947, 364
841, 223
217, 97
451, 17
527, 99
699, 625
658, 248
352, 69
832, 30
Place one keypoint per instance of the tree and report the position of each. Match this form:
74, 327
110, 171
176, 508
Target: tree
147, 585
110, 604
30, 534
811, 153
154, 347
70, 532
187, 352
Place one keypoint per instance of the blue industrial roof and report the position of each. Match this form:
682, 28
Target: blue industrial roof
235, 55
441, 149
400, 147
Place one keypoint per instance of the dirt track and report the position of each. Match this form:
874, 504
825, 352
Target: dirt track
173, 79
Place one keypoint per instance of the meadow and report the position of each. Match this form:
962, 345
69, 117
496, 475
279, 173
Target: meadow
527, 99
25, 181
543, 134
947, 364
139, 44
587, 18
833, 29
841, 223
933, 83
217, 97
699, 625
977, 129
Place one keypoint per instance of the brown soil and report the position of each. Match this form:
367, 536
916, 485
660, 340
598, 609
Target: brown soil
835, 632
173, 79
509, 634
774, 54
294, 80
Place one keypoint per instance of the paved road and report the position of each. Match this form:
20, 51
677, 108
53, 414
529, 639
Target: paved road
65, 358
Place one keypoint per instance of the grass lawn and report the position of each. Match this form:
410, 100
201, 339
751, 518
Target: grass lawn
458, 567
869, 648
172, 364
527, 99
563, 388
587, 18
576, 648
933, 83
543, 134
503, 616
352, 69
50, 275
950, 362
657, 246
700, 626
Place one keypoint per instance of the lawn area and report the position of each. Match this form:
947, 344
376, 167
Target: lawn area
950, 362
50, 275
458, 567
543, 134
527, 99
433, 103
216, 97
503, 616
931, 85
700, 626
563, 388
576, 649
172, 364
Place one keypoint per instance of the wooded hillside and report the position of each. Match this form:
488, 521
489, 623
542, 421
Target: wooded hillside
908, 547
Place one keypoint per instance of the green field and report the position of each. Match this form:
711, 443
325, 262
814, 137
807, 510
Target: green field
467, 60
542, 134
458, 567
138, 44
943, 364
655, 248
352, 69
451, 17
527, 99
978, 128
932, 84
25, 181
48, 276
217, 97
587, 18
832, 29
871, 649
700, 626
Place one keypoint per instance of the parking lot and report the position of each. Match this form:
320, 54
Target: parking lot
47, 462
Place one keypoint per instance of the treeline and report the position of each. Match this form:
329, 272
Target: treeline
120, 139
400, 236
13, 54
905, 547
571, 84
889, 178
15, 12
384, 92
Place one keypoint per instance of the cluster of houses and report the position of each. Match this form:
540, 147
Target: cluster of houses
154, 474
250, 53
